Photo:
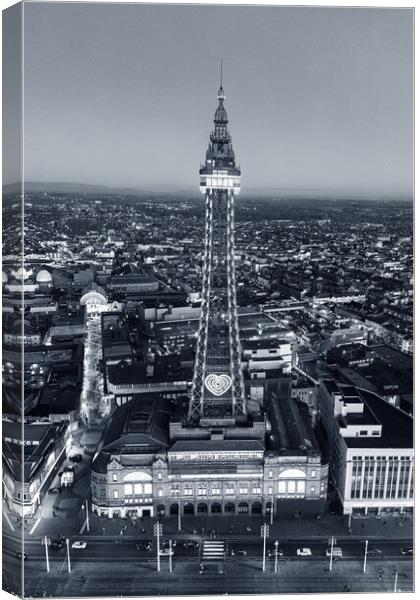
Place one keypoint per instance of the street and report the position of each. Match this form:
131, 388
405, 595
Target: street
95, 570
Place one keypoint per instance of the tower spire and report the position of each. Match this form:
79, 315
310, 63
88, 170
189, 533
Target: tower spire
221, 94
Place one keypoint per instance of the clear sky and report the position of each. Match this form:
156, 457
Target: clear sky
124, 95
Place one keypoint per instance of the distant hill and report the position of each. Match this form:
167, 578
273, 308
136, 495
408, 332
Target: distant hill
168, 191
87, 188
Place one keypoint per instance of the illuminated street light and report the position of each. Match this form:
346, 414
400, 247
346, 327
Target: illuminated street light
265, 533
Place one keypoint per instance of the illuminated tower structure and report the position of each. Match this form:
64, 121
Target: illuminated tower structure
218, 385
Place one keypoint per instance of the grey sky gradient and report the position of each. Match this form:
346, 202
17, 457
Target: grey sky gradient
317, 98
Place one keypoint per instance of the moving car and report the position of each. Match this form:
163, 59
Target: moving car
56, 545
407, 551
165, 544
145, 546
54, 491
79, 545
374, 552
191, 544
304, 552
21, 555
166, 552
337, 552
239, 552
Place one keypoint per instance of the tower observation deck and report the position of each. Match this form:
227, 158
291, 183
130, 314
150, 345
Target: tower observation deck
218, 385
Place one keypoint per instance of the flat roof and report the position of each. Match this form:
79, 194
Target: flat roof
397, 426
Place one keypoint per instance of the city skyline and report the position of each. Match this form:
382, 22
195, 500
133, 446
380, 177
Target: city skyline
321, 98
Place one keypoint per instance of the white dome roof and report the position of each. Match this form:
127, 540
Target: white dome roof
4, 277
43, 276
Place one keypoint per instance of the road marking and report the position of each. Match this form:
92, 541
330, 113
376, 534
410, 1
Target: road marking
213, 549
83, 526
35, 526
8, 520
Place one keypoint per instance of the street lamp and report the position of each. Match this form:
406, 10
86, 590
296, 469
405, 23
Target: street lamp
170, 556
157, 532
331, 541
46, 541
396, 581
85, 507
68, 555
179, 515
365, 559
272, 507
276, 547
265, 533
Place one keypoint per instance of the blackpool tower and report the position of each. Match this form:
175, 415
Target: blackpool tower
218, 385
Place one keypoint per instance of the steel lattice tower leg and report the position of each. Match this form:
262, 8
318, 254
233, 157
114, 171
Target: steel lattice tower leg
218, 379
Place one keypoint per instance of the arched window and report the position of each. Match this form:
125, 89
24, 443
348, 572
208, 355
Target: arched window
292, 474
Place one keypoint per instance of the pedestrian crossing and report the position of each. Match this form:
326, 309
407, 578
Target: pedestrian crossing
213, 550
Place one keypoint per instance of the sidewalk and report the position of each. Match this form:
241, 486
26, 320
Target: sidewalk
235, 526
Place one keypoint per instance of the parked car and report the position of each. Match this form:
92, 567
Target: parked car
407, 551
76, 458
54, 491
166, 552
79, 545
304, 552
165, 544
21, 555
374, 552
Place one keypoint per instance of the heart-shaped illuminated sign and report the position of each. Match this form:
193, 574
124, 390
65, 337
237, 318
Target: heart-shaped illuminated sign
218, 384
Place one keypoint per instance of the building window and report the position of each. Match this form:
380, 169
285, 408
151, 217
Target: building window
114, 477
243, 490
128, 489
138, 489
160, 493
270, 490
230, 491
115, 494
159, 476
188, 491
291, 487
215, 492
282, 487
312, 490
147, 488
313, 473
201, 492
300, 487
270, 473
